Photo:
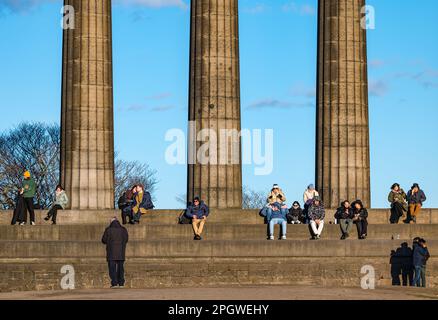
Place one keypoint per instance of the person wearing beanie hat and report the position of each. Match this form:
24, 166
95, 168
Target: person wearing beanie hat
28, 191
415, 198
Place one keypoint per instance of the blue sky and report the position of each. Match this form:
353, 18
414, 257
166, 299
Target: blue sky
278, 67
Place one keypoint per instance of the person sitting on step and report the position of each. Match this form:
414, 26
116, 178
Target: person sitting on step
142, 203
61, 201
125, 204
344, 217
316, 216
295, 214
198, 212
360, 219
278, 216
399, 205
415, 198
275, 196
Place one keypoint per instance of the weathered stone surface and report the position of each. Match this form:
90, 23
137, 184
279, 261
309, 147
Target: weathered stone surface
376, 216
212, 231
214, 102
342, 138
87, 138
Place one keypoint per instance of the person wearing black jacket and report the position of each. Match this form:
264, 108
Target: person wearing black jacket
125, 204
18, 215
344, 216
360, 216
115, 238
295, 214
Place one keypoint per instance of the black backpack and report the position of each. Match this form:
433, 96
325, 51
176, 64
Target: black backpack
183, 219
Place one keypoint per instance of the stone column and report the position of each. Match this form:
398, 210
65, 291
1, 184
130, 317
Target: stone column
214, 103
87, 139
342, 150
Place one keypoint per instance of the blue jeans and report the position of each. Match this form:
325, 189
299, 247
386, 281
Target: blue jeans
275, 221
420, 276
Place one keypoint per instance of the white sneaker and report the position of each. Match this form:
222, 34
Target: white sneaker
32, 223
22, 224
271, 237
283, 238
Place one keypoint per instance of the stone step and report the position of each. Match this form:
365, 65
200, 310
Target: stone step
235, 216
212, 231
207, 249
92, 273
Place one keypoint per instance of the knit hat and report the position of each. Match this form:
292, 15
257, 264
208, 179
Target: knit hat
275, 186
311, 187
26, 174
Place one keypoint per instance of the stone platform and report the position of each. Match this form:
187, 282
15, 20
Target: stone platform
162, 254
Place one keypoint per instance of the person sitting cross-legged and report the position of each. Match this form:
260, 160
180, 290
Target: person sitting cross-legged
316, 216
344, 217
198, 212
142, 203
278, 216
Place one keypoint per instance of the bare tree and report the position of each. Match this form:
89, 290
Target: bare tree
33, 147
129, 173
36, 147
253, 199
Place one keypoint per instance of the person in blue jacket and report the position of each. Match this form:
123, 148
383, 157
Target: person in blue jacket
278, 216
198, 212
420, 257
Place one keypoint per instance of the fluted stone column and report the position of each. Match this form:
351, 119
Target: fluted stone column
214, 101
87, 141
342, 150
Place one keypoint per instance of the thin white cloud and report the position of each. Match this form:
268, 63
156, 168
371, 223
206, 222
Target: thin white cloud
304, 9
257, 9
154, 3
277, 104
160, 96
377, 63
378, 88
303, 90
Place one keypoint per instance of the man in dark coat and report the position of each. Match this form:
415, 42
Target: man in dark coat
18, 215
116, 237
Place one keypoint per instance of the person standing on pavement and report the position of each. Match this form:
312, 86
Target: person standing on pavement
115, 238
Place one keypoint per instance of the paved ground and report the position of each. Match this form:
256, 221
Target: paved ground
233, 293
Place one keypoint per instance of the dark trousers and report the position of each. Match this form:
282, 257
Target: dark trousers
396, 212
362, 227
117, 272
28, 206
127, 212
53, 212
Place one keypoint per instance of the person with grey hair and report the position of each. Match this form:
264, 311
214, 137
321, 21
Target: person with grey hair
115, 238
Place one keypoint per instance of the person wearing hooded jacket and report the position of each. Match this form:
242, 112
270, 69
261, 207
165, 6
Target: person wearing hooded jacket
115, 238
18, 215
316, 216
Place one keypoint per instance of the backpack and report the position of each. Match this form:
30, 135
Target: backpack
183, 219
